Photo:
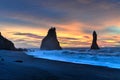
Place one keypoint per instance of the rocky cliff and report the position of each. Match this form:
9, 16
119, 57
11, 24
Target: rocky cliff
6, 44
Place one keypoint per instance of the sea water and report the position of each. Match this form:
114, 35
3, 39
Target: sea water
109, 57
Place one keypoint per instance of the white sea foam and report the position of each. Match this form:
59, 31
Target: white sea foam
109, 57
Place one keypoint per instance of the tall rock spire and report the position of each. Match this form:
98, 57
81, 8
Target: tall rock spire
50, 42
94, 42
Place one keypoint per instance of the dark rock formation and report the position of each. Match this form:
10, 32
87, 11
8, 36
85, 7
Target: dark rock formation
50, 42
94, 42
6, 44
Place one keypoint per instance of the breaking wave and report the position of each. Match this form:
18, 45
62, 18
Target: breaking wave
109, 57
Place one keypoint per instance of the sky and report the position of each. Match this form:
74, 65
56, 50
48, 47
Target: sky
26, 22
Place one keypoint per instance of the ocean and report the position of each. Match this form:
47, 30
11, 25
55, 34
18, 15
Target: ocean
108, 57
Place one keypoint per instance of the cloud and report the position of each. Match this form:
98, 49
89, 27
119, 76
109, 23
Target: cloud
29, 35
87, 37
15, 21
113, 30
19, 40
74, 19
38, 39
95, 13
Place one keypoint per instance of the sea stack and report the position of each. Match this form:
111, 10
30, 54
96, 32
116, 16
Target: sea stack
6, 44
50, 42
94, 42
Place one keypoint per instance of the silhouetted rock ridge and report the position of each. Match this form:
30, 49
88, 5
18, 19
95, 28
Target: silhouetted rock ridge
6, 44
50, 42
94, 42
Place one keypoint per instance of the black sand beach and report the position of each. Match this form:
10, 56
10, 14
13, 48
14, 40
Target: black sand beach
19, 66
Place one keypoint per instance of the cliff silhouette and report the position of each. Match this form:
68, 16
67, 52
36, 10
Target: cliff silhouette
6, 44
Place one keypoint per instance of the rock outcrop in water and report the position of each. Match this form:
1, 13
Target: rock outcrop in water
6, 44
50, 42
94, 42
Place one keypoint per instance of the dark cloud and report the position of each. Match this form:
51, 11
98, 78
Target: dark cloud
92, 13
63, 40
87, 37
19, 40
26, 8
40, 37
67, 38
61, 11
29, 35
15, 21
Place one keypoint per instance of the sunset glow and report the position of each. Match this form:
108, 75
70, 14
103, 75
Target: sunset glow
26, 22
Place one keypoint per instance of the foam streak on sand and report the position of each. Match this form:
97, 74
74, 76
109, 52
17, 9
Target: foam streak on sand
109, 57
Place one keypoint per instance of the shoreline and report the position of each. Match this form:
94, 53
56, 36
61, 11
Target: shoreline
31, 68
95, 58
